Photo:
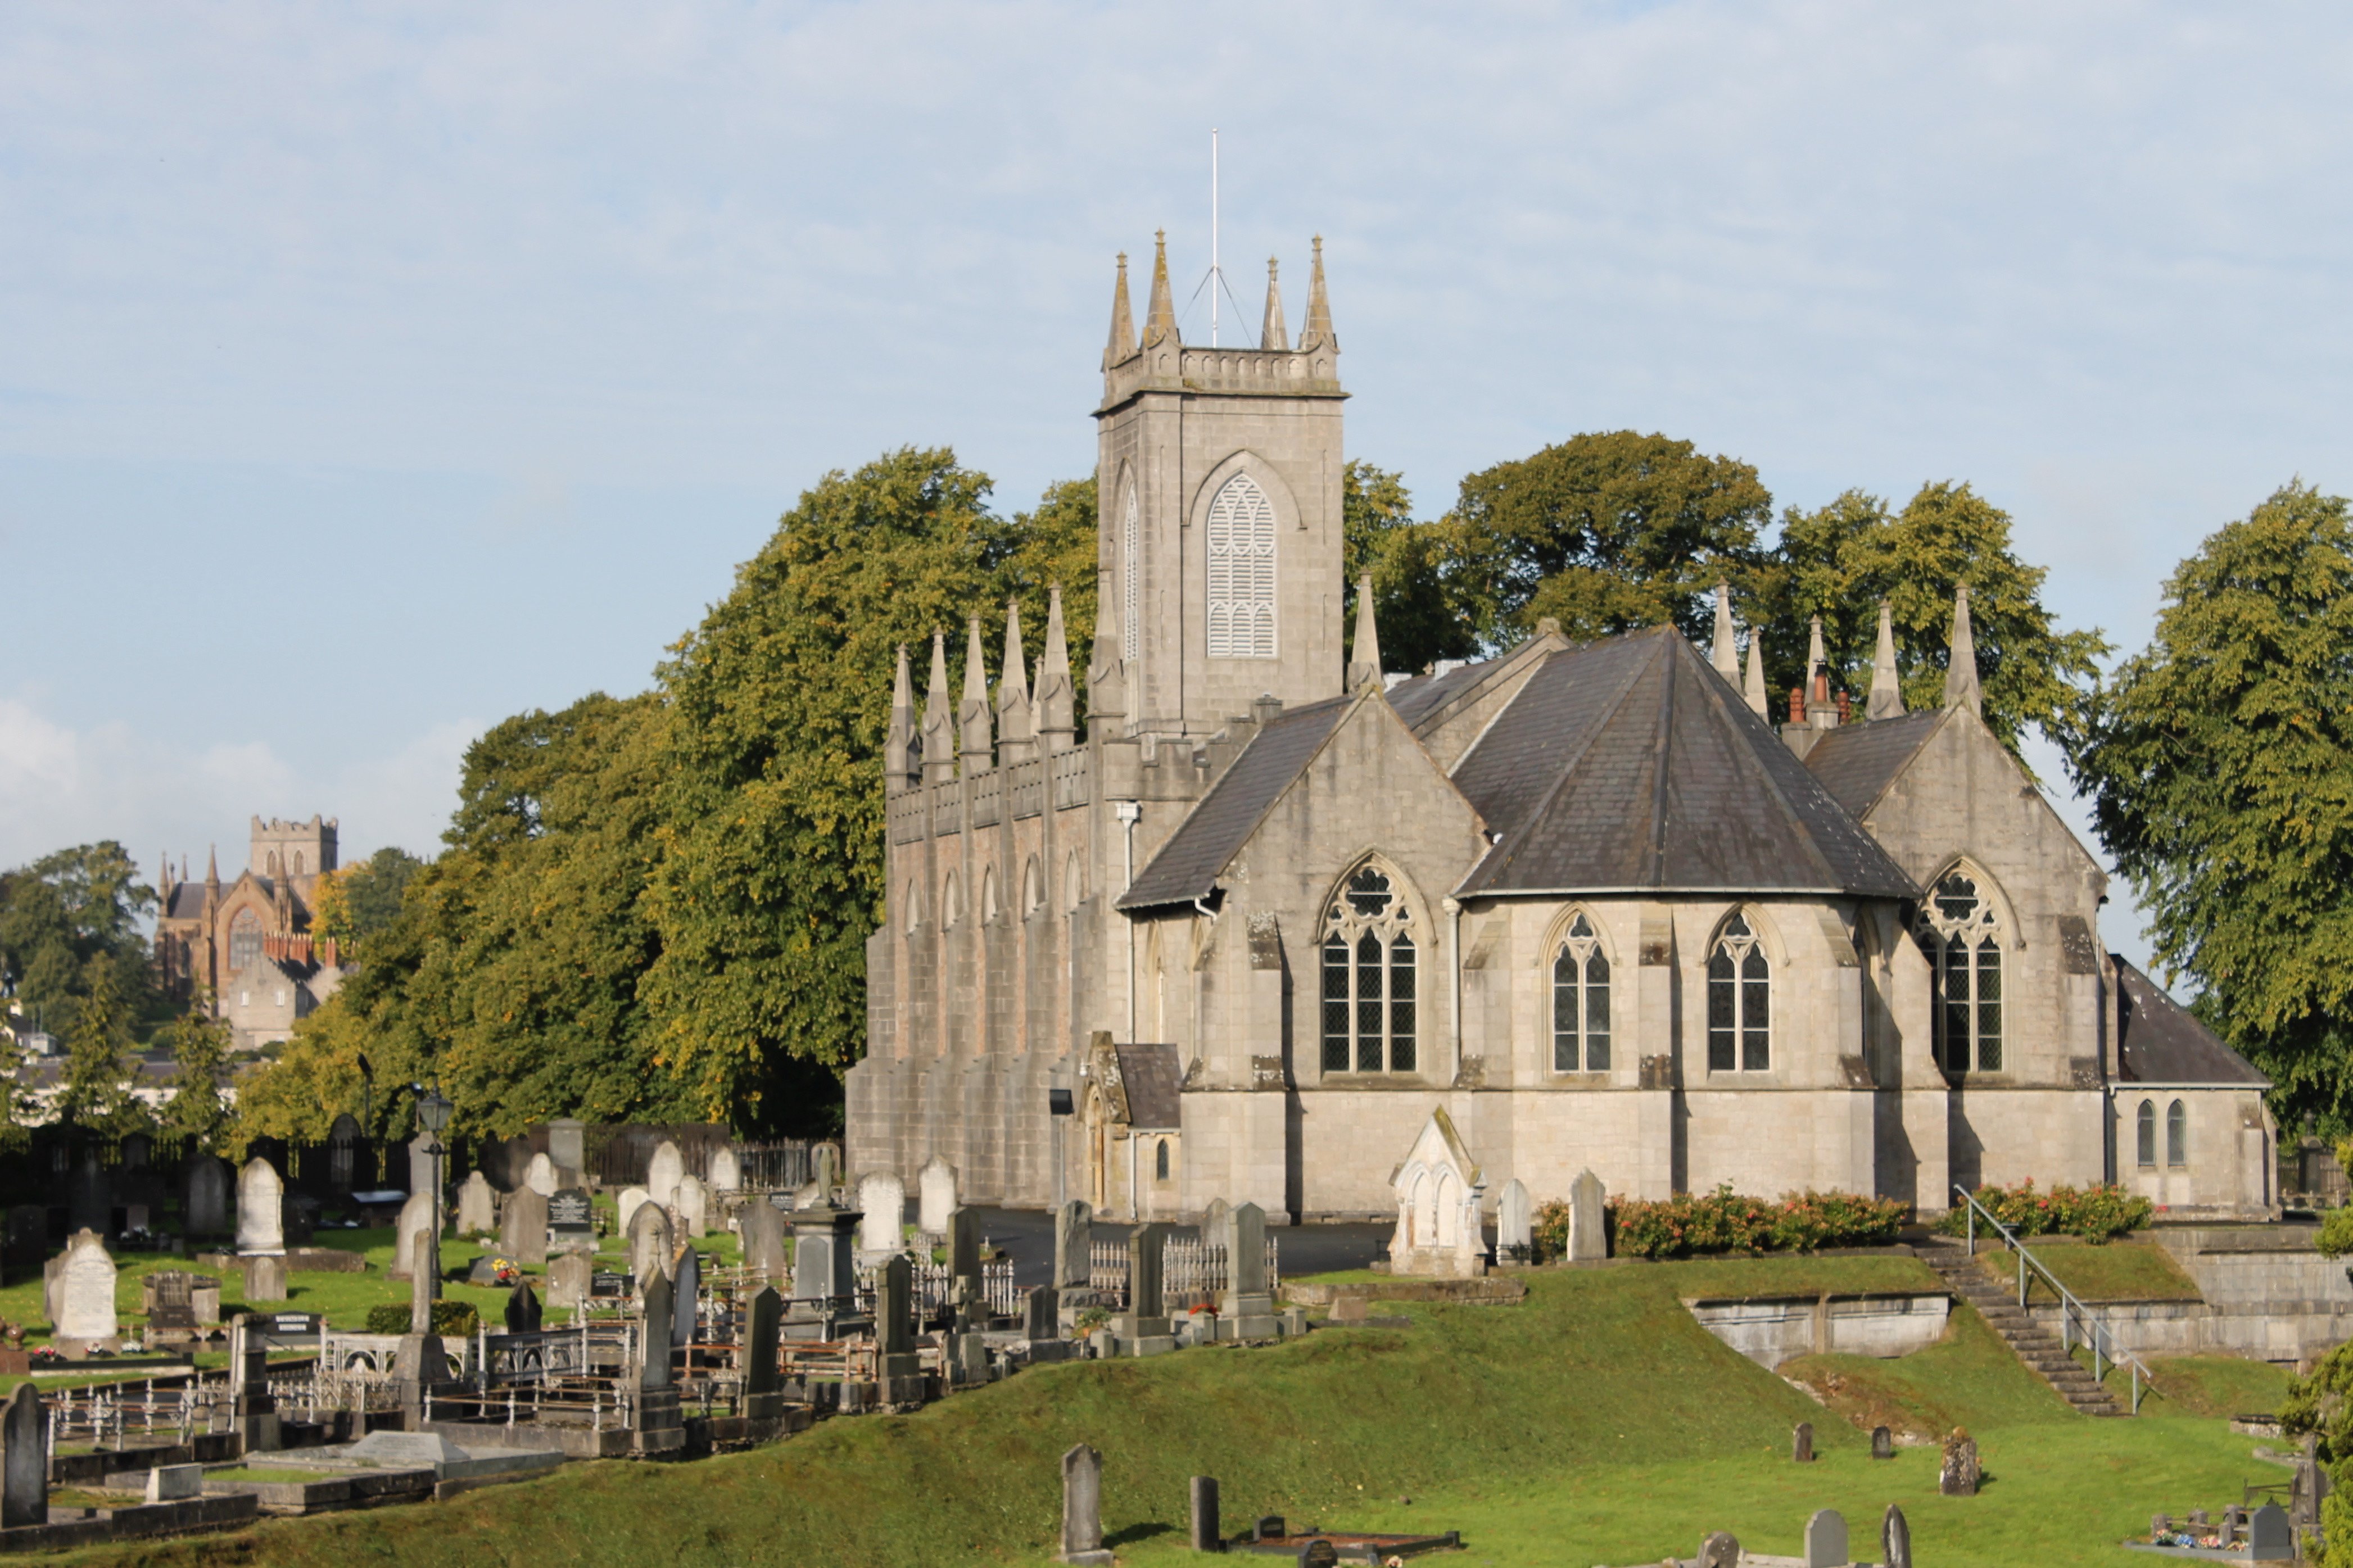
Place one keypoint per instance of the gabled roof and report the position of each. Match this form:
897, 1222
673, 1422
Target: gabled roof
1205, 843
2159, 1041
1630, 763
1149, 1072
1424, 694
187, 901
1856, 763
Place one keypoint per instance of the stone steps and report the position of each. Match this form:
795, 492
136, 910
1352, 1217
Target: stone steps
2032, 1343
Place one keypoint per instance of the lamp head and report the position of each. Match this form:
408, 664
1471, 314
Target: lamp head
433, 1111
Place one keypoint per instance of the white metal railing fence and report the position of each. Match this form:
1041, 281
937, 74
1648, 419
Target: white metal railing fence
2076, 1320
1188, 1268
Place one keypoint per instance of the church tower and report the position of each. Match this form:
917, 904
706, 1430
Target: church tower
1219, 473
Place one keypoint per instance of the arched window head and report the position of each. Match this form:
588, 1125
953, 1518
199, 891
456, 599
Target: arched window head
1074, 882
1371, 977
2146, 1141
1131, 577
1962, 941
988, 901
244, 940
1740, 1002
2176, 1135
1242, 570
1033, 889
1160, 1162
1580, 1001
950, 902
914, 917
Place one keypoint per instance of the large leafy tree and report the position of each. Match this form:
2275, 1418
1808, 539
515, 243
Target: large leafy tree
197, 1111
363, 899
93, 1092
69, 922
770, 875
2220, 766
1414, 602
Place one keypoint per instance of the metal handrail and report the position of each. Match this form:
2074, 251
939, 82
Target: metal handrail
2074, 1318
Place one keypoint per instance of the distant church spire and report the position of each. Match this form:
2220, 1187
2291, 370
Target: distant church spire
899, 744
1887, 686
1121, 347
1365, 658
939, 729
1055, 722
1160, 318
1274, 334
1754, 687
1318, 333
1013, 734
972, 714
1961, 665
211, 868
1725, 654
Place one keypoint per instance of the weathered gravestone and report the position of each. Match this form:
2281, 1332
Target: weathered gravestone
205, 1202
171, 1307
174, 1483
1073, 1242
653, 1363
1082, 1507
1205, 1536
260, 1209
882, 1198
24, 1459
631, 1200
1895, 1540
894, 1326
694, 1207
478, 1205
1826, 1540
1587, 1237
1247, 1313
686, 1297
264, 1278
1041, 1314
824, 1171
649, 1244
1514, 1221
2270, 1537
1883, 1443
85, 1320
571, 1221
935, 1196
567, 1280
522, 1312
1957, 1476
523, 1230
539, 1175
726, 1170
762, 1228
1721, 1550
1319, 1553
761, 1375
412, 1233
963, 1256
662, 1172
824, 1258
1143, 1327
1801, 1443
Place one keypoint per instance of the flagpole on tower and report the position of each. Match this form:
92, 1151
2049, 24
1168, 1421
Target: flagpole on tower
1217, 278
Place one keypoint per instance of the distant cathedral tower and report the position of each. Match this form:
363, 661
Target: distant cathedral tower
1220, 568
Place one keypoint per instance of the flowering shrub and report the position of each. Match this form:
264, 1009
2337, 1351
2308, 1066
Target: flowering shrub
2099, 1213
1726, 1221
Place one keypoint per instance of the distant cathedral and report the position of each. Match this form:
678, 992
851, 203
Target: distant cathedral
1278, 908
247, 945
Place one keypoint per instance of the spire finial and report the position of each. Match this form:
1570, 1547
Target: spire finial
1160, 315
1318, 333
1121, 347
1364, 657
1274, 334
1056, 722
972, 714
898, 742
1725, 654
1886, 686
939, 728
1961, 690
211, 865
1753, 688
1013, 714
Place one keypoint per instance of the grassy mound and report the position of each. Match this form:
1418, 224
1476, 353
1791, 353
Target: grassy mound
2120, 1271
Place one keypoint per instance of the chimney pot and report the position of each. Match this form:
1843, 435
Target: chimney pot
1796, 705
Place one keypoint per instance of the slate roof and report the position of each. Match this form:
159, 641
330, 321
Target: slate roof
1630, 763
1424, 693
1205, 843
1149, 1074
1856, 762
2159, 1041
187, 901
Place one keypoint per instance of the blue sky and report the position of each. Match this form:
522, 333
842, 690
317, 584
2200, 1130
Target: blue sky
373, 372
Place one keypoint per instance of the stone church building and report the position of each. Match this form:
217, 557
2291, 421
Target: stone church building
247, 944
1278, 907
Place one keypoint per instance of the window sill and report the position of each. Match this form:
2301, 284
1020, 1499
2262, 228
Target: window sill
1373, 1080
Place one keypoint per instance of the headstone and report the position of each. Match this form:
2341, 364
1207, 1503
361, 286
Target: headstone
1074, 1240
571, 1221
174, 1483
23, 1458
203, 1296
631, 1200
662, 1172
477, 1206
1588, 1238
935, 1194
567, 1280
86, 1292
260, 1209
693, 1206
762, 1230
686, 1297
1081, 1501
171, 1307
523, 1230
567, 1144
1246, 1267
1319, 1553
964, 1246
1146, 1298
653, 1362
825, 1254
1895, 1540
825, 1168
2270, 1538
1826, 1540
1959, 1474
2234, 1519
726, 1170
883, 1199
894, 1326
1041, 1314
206, 1202
760, 1374
1721, 1550
1268, 1527
1801, 1443
2198, 1519
522, 1312
1206, 1537
264, 1278
539, 1175
1514, 1221
649, 1244
415, 1219
1883, 1443
1217, 1222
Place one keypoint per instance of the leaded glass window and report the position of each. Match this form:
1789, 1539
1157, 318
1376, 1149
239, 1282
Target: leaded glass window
244, 940
1958, 934
2176, 1135
1580, 1001
2146, 1141
1371, 978
1740, 1002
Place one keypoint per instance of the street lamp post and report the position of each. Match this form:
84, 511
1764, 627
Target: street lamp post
425, 1265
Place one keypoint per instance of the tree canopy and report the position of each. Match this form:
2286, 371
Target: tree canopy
70, 920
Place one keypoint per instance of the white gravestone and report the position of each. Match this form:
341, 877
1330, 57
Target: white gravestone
935, 1187
539, 1175
415, 1218
694, 1207
649, 1244
628, 1203
1515, 1223
1826, 1540
86, 1292
1588, 1238
883, 1205
477, 1206
662, 1172
260, 1210
726, 1170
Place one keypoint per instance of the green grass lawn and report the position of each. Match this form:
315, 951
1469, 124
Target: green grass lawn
2120, 1271
1594, 1421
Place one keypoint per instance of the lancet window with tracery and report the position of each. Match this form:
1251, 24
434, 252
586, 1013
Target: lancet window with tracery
1371, 978
1580, 1001
1740, 1002
1959, 934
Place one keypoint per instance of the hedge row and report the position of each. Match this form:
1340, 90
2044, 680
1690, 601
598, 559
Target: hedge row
2099, 1213
1691, 1224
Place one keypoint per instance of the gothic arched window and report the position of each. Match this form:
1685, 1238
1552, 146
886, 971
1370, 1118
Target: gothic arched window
1160, 1162
1370, 978
1242, 570
244, 940
1740, 1002
1958, 932
2176, 1135
2146, 1141
1131, 577
1580, 1001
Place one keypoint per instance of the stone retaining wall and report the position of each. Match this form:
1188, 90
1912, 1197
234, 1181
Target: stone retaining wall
1770, 1329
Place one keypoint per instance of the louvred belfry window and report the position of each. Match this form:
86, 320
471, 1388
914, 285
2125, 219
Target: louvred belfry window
1131, 578
1371, 979
1242, 570
1957, 932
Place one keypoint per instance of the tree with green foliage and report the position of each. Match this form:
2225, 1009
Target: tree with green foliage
2219, 768
198, 1111
770, 876
67, 920
361, 900
1413, 601
1840, 561
92, 1092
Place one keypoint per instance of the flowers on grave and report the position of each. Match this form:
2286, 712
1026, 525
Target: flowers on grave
2099, 1213
505, 1270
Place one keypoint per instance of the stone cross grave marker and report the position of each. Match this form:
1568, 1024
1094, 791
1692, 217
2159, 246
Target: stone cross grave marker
1801, 1443
539, 1175
1721, 1550
2270, 1538
523, 1313
653, 1361
662, 1172
415, 1218
1587, 1239
571, 1221
762, 1228
1082, 1506
264, 1278
1883, 1443
936, 1188
686, 1295
1205, 1535
726, 1170
523, 1230
883, 1199
1895, 1540
86, 1292
207, 1196
477, 1206
260, 1209
1514, 1222
567, 1280
693, 1206
1073, 1239
23, 1458
1826, 1540
1957, 1475
649, 1243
